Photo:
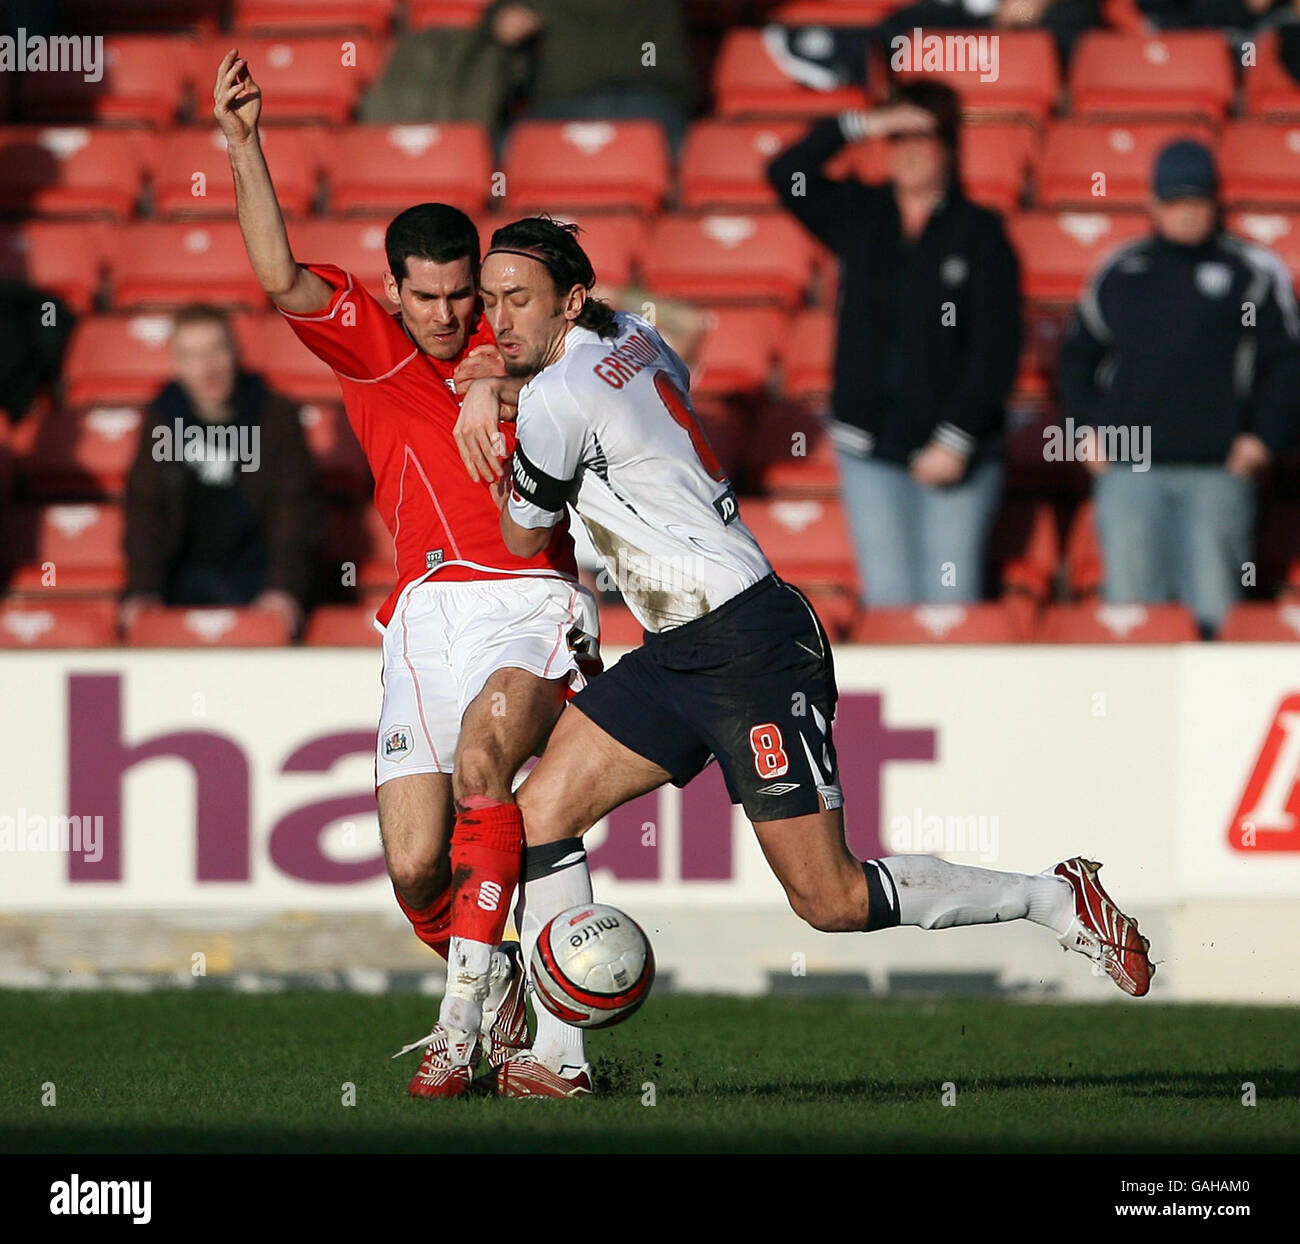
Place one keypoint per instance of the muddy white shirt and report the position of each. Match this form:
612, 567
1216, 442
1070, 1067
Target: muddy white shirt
609, 429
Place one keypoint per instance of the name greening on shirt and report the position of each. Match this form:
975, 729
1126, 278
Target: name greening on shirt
625, 361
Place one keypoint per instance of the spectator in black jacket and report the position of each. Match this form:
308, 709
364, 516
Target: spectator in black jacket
928, 341
1182, 370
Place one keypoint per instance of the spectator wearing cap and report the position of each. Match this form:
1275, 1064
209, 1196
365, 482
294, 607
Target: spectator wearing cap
927, 343
1186, 344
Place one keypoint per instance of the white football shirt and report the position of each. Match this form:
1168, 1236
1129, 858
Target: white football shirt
609, 428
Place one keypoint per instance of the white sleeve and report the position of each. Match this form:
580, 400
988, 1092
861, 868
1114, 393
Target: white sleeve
544, 470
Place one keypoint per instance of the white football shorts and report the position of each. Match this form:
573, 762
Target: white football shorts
445, 640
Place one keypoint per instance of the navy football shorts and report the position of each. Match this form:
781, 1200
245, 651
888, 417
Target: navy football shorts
752, 684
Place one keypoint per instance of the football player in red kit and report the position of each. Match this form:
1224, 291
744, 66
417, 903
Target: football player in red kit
480, 647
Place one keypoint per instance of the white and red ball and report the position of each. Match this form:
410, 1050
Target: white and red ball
592, 966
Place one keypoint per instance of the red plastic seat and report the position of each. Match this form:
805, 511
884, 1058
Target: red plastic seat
117, 360
1279, 231
423, 13
808, 355
307, 78
793, 456
834, 12
1268, 90
194, 159
167, 264
44, 623
64, 258
836, 607
1262, 622
207, 628
615, 243
1173, 73
1025, 547
619, 628
937, 624
75, 547
1259, 163
1085, 569
143, 80
268, 345
1076, 152
263, 16
1059, 251
724, 163
758, 257
86, 455
1118, 624
738, 351
585, 164
807, 541
355, 535
70, 171
747, 82
1023, 81
340, 464
357, 246
140, 15
386, 168
342, 626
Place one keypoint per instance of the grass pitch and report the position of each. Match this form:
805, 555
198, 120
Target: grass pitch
220, 1072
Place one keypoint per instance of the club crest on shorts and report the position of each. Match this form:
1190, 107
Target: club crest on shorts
397, 744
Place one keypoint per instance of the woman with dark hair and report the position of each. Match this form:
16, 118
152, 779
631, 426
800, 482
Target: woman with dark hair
928, 342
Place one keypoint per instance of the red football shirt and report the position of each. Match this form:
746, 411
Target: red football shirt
400, 405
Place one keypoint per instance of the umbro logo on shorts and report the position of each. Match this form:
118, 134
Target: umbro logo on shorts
778, 788
397, 743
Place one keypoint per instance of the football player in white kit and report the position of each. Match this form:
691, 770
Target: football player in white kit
735, 664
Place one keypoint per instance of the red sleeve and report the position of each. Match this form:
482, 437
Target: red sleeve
353, 334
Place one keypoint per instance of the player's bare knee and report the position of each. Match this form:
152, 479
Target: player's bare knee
415, 876
828, 912
481, 771
541, 823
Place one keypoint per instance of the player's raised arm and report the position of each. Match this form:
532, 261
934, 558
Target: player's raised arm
237, 105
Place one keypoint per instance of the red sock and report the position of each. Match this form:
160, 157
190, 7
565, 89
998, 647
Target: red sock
432, 925
487, 848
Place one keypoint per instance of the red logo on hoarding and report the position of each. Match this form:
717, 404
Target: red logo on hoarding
1268, 816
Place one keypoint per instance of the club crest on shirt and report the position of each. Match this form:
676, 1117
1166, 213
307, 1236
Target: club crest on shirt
397, 744
1213, 279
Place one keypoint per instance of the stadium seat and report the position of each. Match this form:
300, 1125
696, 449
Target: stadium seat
1024, 81
1118, 624
1259, 164
615, 242
310, 78
355, 535
775, 462
937, 624
1172, 73
834, 12
207, 628
808, 355
1099, 166
584, 164
738, 351
385, 168
81, 455
1268, 90
424, 13
619, 628
60, 256
342, 626
117, 360
1262, 622
167, 264
46, 623
761, 257
268, 345
70, 171
143, 80
724, 163
807, 541
1025, 548
65, 548
1279, 231
1059, 251
121, 15
1085, 569
191, 171
836, 607
357, 246
340, 464
748, 82
308, 16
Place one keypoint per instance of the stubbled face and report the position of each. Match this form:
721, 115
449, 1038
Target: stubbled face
205, 363
438, 302
525, 311
1185, 222
918, 161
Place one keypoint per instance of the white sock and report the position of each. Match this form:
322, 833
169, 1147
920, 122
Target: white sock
934, 894
555, 878
469, 967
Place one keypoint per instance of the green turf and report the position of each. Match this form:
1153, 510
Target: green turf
215, 1071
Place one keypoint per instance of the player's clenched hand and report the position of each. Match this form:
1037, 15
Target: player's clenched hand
236, 99
480, 362
478, 431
